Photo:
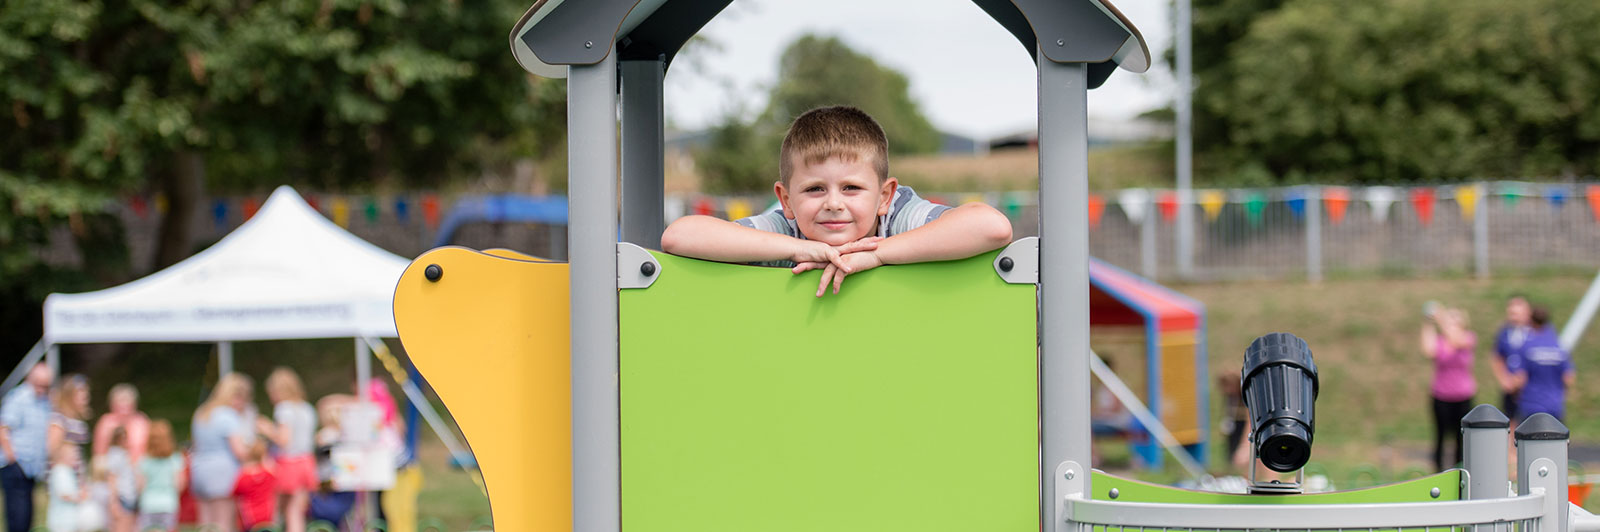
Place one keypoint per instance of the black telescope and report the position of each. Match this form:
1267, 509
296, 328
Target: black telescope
1280, 386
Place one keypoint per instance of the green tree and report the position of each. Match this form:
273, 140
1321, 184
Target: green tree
1380, 90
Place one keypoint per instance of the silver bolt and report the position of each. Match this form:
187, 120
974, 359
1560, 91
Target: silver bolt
1115, 493
1070, 474
1434, 492
588, 44
1544, 471
1061, 42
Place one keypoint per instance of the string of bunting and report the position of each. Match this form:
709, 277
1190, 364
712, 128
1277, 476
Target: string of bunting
341, 209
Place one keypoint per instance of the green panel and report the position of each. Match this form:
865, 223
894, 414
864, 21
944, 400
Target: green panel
1416, 490
905, 402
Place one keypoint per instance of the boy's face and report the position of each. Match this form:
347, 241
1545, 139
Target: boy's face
836, 202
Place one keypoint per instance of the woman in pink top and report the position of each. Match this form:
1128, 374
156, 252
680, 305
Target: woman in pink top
1447, 341
123, 412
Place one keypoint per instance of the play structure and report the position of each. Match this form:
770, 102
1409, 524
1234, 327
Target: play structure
627, 388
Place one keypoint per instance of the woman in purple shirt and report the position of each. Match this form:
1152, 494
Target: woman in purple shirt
1447, 341
1542, 371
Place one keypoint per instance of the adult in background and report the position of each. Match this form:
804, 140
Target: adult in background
1542, 371
221, 441
1447, 341
24, 420
69, 424
123, 412
1507, 343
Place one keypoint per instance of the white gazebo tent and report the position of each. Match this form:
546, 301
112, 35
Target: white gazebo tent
286, 273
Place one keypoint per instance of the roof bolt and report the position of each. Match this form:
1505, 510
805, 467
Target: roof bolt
588, 44
1061, 42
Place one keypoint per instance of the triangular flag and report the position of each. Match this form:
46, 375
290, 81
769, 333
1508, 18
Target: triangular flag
1133, 202
1097, 207
1594, 201
219, 212
1167, 203
1335, 200
316, 204
738, 209
341, 211
1211, 201
430, 210
1510, 193
137, 203
703, 207
402, 210
1558, 195
1296, 199
370, 210
1254, 204
1467, 199
250, 205
972, 198
1422, 200
1380, 198
1013, 204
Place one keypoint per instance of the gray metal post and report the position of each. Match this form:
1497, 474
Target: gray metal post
1147, 240
52, 358
1313, 235
363, 371
1483, 442
1063, 277
1185, 141
1480, 232
592, 252
643, 172
1541, 452
224, 358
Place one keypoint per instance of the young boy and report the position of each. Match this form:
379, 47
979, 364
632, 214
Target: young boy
842, 213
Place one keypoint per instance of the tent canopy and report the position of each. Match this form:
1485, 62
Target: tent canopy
285, 273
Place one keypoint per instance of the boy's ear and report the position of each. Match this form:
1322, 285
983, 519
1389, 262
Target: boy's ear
886, 195
783, 199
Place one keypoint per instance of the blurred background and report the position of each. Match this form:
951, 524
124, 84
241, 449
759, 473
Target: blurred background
1351, 161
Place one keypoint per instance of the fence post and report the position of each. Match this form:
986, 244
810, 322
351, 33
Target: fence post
1541, 454
1480, 231
1483, 437
1313, 234
1147, 238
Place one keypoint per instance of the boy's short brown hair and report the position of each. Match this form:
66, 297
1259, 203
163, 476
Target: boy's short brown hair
838, 131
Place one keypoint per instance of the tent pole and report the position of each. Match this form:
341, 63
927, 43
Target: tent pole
52, 358
224, 358
363, 372
21, 371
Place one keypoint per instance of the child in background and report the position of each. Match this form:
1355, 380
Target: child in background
160, 480
292, 432
67, 494
92, 513
256, 491
125, 485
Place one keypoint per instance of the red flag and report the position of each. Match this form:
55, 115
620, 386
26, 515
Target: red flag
703, 207
1336, 199
251, 205
1594, 201
430, 210
1097, 207
1168, 204
312, 201
1422, 200
137, 203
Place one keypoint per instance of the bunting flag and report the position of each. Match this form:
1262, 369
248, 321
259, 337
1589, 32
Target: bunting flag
738, 209
1133, 202
250, 205
1167, 203
1380, 198
1422, 199
1013, 204
1335, 200
370, 209
939, 200
702, 207
1510, 193
430, 210
138, 205
1097, 207
161, 204
972, 198
1211, 201
316, 204
341, 211
1296, 199
219, 213
1467, 199
402, 210
1558, 195
1594, 201
1254, 204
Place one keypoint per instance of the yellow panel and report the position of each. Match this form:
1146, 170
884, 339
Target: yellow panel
1182, 406
491, 336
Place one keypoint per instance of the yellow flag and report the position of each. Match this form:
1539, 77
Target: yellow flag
341, 212
161, 203
972, 198
1467, 198
738, 209
1212, 201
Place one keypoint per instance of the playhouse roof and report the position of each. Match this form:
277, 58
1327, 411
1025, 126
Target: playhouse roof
1118, 297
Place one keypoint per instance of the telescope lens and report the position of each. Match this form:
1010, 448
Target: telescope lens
1280, 387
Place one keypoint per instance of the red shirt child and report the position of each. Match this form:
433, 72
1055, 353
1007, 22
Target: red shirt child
256, 490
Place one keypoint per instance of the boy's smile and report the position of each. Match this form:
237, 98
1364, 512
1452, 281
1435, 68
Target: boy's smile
836, 202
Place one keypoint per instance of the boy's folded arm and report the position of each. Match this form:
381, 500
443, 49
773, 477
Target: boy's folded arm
957, 234
705, 237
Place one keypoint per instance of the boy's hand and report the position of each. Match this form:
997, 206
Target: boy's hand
813, 255
850, 262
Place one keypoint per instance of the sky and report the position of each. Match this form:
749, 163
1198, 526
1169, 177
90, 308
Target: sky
968, 74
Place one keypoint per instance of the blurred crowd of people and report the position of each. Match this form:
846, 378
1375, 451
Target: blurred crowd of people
241, 470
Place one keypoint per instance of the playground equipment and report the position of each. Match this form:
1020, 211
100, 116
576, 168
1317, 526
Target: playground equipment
925, 397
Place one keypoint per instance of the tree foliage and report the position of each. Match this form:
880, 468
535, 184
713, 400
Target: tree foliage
1394, 90
813, 71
